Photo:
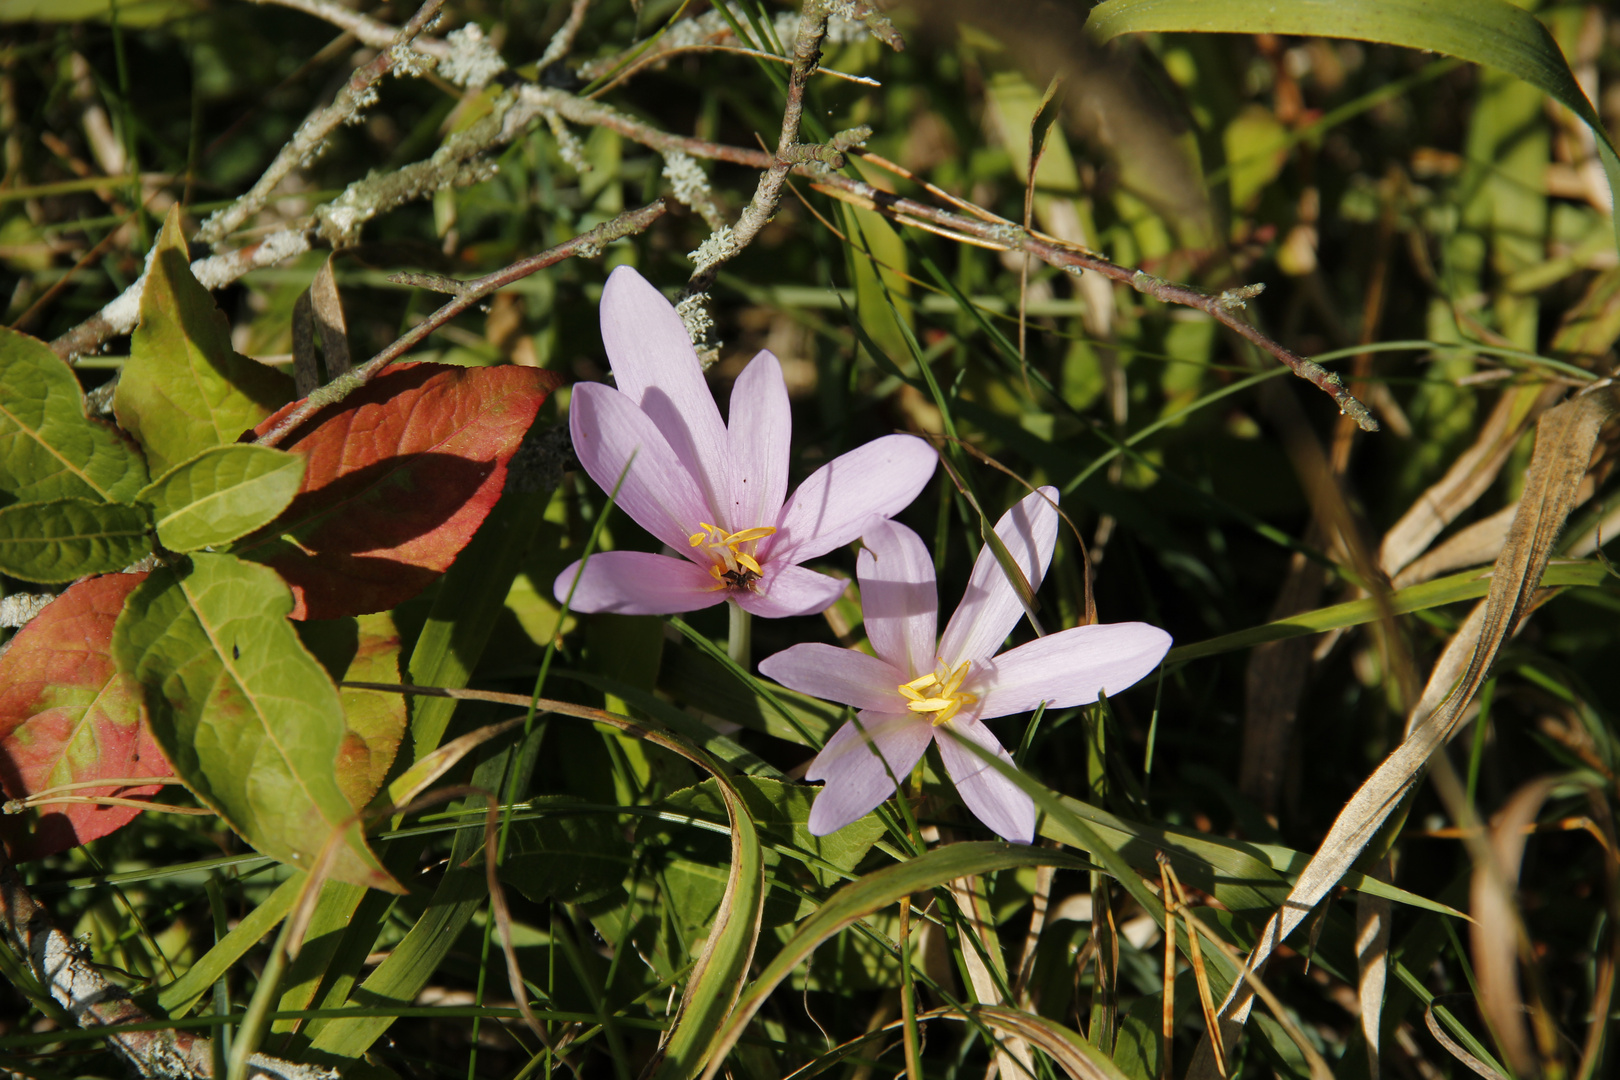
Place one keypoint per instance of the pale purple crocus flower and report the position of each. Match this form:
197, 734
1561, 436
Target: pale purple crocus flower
715, 493
913, 690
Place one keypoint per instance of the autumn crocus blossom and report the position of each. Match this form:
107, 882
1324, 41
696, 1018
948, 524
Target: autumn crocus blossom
715, 493
913, 690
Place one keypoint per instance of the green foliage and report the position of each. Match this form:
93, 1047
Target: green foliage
221, 494
49, 448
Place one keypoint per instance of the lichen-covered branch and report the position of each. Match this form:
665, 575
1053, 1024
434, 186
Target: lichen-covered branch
307, 143
215, 272
366, 30
589, 245
65, 970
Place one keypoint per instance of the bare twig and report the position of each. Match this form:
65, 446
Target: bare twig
357, 94
66, 971
768, 194
563, 39
588, 244
366, 30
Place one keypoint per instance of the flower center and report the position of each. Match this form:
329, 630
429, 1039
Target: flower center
938, 692
734, 565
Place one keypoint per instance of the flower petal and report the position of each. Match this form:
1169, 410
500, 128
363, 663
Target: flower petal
995, 800
834, 505
856, 778
761, 425
990, 609
790, 590
1069, 667
656, 367
898, 597
841, 675
638, 583
609, 431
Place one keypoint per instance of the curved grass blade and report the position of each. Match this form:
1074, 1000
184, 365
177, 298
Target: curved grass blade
861, 898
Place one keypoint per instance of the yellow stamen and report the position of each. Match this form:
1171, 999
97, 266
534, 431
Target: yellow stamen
938, 692
727, 551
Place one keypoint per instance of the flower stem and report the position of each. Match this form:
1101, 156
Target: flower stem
739, 644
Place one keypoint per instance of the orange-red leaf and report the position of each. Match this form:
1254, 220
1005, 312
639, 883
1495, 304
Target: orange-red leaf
67, 716
401, 474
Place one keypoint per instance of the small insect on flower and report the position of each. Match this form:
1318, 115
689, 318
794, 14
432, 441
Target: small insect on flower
741, 579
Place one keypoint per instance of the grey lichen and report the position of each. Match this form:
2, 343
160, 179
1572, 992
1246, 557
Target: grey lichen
686, 179
473, 61
715, 250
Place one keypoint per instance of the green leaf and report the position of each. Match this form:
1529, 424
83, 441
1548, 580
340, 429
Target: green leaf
49, 448
58, 541
247, 717
181, 996
221, 494
1467, 585
184, 388
573, 856
1493, 33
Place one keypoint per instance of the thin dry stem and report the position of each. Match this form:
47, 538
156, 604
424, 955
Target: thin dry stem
588, 244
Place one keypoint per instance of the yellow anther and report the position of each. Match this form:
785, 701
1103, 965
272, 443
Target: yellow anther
938, 692
733, 567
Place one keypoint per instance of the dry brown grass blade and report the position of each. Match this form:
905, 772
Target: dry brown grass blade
1608, 962
1454, 1049
1565, 438
1469, 477
1167, 1018
1195, 953
1012, 1057
1498, 939
1373, 915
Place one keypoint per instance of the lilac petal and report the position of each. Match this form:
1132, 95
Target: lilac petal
1068, 668
790, 590
995, 800
656, 492
898, 598
657, 369
833, 506
841, 675
856, 778
761, 424
638, 583
990, 609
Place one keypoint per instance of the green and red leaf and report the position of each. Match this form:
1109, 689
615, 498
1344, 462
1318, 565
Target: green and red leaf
68, 717
401, 474
247, 716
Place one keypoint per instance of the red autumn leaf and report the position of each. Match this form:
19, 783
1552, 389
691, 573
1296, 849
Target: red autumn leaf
67, 716
401, 473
